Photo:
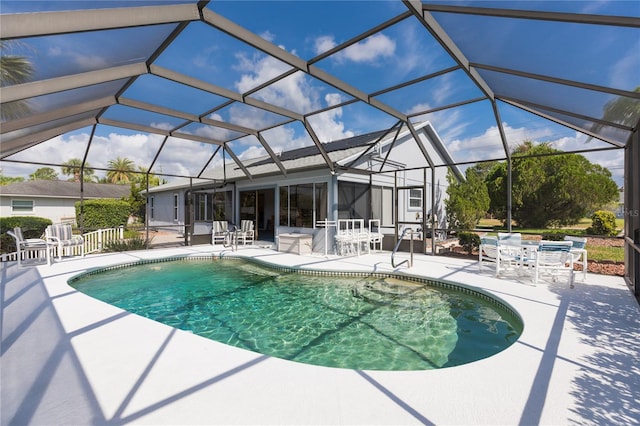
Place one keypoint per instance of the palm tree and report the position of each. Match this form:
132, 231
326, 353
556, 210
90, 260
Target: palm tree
14, 69
121, 170
74, 166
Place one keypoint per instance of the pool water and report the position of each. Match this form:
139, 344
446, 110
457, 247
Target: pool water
371, 323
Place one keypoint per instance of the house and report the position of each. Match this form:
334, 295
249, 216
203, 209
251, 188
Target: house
381, 175
53, 199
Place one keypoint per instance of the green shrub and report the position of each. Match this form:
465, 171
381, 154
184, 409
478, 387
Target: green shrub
469, 241
103, 213
32, 227
603, 223
136, 243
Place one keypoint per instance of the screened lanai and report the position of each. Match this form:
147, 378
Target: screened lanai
181, 87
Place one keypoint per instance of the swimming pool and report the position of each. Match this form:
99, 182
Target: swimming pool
355, 320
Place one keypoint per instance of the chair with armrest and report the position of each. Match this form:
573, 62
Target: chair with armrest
554, 258
246, 233
219, 232
579, 253
61, 235
24, 246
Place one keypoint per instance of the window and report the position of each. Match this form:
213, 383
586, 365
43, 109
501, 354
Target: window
415, 198
175, 206
22, 206
151, 207
303, 205
353, 200
382, 205
212, 206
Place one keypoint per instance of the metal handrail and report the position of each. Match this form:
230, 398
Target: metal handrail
231, 239
395, 249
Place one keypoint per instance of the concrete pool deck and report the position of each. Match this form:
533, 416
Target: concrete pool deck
68, 359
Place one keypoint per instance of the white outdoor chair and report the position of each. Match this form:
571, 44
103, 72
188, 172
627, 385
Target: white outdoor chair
246, 232
62, 237
375, 234
29, 245
488, 252
344, 237
579, 253
554, 258
219, 232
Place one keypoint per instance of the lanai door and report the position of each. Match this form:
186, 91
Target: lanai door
259, 206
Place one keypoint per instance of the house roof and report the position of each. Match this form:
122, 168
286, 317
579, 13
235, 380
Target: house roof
64, 189
340, 152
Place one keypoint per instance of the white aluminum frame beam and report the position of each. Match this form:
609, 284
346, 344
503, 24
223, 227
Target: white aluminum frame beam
32, 89
63, 22
19, 144
56, 114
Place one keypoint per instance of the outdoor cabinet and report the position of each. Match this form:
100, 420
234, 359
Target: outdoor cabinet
295, 243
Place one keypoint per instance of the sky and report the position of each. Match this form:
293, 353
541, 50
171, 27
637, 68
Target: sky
598, 55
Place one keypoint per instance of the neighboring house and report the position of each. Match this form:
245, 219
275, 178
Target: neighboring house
53, 199
401, 191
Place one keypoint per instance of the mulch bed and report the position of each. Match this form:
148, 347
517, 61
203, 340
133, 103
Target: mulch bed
599, 267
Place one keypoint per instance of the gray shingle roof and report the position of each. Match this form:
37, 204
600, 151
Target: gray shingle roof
64, 189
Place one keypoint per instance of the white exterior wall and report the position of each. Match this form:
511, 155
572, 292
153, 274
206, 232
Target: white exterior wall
56, 209
163, 213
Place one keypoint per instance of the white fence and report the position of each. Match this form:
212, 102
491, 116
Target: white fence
93, 242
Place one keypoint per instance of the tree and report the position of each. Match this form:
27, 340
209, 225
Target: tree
549, 189
138, 201
121, 170
44, 173
6, 180
73, 168
468, 200
14, 69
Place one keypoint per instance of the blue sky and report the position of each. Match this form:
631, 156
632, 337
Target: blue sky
306, 29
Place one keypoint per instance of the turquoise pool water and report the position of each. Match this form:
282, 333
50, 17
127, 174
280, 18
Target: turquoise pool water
372, 323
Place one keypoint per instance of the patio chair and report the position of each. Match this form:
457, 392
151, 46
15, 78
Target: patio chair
375, 234
29, 245
488, 252
246, 232
61, 236
504, 257
554, 258
220, 231
579, 253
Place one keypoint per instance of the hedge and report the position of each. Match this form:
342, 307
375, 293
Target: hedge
103, 213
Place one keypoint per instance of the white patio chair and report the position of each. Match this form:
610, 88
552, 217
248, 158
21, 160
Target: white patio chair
579, 253
344, 237
375, 234
502, 257
219, 232
554, 258
488, 252
62, 237
29, 245
246, 233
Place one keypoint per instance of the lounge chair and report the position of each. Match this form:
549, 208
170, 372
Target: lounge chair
26, 245
554, 258
62, 237
579, 253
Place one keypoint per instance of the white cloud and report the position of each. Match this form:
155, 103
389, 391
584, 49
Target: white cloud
369, 50
323, 44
